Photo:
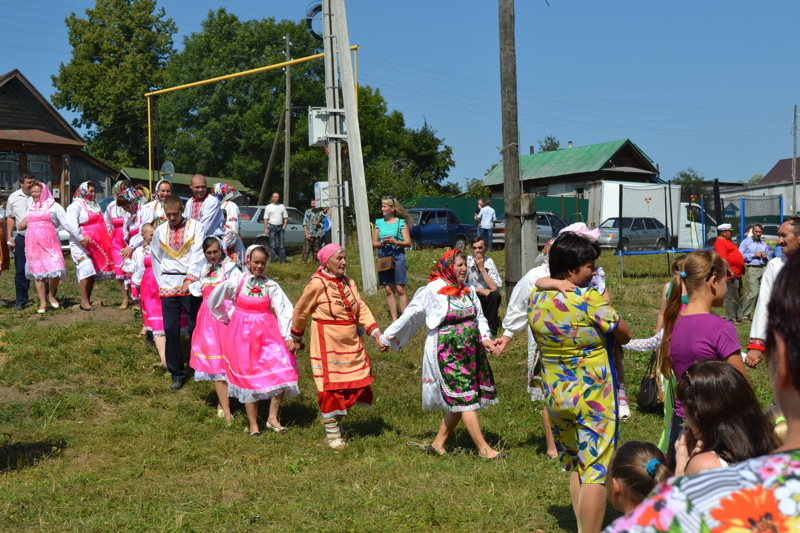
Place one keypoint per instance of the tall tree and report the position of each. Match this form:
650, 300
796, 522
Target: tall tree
119, 51
692, 183
226, 129
549, 144
755, 179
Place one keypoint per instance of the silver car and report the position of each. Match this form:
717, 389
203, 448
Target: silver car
637, 232
251, 227
548, 225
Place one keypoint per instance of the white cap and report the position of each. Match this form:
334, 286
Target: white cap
724, 227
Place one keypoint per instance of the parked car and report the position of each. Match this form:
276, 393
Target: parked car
637, 232
439, 227
547, 226
251, 227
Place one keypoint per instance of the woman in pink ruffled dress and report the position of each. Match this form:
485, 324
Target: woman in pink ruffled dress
44, 258
145, 287
118, 216
258, 346
208, 354
89, 242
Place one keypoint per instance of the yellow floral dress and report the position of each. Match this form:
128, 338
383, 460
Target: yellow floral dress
573, 334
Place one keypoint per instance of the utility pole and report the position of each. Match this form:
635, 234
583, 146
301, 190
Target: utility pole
287, 140
334, 145
794, 163
511, 174
263, 195
369, 280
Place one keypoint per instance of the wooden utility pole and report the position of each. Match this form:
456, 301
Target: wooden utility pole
334, 146
794, 163
262, 197
511, 182
369, 280
287, 112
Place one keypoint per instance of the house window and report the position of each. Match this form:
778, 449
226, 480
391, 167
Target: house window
40, 166
9, 172
541, 191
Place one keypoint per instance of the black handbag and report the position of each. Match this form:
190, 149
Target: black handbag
647, 398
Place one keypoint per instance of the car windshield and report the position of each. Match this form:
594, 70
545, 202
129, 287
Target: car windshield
414, 217
613, 223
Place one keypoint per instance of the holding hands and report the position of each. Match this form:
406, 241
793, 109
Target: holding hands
377, 336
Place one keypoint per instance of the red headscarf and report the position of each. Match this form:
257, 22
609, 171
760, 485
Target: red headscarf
444, 271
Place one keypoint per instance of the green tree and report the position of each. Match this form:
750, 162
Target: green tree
756, 179
118, 53
692, 183
476, 188
549, 144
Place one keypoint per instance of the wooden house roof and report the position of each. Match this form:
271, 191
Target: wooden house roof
618, 156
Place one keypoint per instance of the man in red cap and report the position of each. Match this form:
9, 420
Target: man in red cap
734, 264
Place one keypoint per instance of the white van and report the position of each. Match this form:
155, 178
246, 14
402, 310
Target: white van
697, 228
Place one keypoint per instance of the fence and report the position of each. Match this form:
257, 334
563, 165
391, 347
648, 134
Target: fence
570, 208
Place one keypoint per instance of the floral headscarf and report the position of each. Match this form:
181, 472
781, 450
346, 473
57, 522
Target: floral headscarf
45, 200
83, 192
578, 228
224, 192
133, 195
119, 186
445, 272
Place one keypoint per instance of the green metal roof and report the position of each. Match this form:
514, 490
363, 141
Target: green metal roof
578, 160
181, 179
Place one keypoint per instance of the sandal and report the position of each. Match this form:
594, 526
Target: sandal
125, 304
41, 310
277, 429
337, 444
54, 303
430, 450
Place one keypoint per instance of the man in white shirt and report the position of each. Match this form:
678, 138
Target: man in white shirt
16, 217
483, 275
205, 208
486, 218
177, 253
276, 218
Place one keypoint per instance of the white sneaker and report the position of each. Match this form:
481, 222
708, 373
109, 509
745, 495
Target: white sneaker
624, 411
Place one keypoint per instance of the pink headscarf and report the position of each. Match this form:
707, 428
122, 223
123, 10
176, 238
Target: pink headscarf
45, 200
579, 228
327, 251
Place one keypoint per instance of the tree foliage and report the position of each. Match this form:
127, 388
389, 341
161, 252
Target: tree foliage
476, 189
549, 144
756, 179
119, 50
692, 183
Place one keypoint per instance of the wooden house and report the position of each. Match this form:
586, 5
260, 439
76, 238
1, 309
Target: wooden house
35, 138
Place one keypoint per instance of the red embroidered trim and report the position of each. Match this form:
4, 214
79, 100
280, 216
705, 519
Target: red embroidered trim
757, 344
176, 237
372, 327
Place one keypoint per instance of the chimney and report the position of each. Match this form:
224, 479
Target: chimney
533, 150
569, 145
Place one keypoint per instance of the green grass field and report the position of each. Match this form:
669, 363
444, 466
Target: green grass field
92, 439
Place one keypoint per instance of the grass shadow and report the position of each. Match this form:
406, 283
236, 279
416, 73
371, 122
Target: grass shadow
371, 427
16, 456
537, 442
565, 516
294, 413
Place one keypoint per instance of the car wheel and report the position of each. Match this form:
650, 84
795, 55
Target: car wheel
461, 243
625, 245
661, 245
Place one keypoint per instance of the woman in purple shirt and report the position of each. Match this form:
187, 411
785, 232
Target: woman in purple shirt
696, 333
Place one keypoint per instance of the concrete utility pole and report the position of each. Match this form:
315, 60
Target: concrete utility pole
262, 197
287, 112
794, 163
369, 281
334, 146
511, 183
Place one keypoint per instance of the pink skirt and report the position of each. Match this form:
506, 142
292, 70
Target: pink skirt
259, 364
43, 256
117, 244
151, 303
208, 358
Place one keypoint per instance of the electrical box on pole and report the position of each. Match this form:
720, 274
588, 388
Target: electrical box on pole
324, 196
320, 125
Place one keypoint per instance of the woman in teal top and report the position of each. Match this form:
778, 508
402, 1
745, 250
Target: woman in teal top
391, 237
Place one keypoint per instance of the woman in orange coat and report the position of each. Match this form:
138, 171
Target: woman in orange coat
339, 361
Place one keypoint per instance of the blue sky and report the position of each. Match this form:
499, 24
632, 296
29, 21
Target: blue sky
708, 85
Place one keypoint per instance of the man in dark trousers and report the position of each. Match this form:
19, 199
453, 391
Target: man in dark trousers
16, 218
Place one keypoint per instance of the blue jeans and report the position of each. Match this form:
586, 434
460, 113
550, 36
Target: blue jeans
21, 282
486, 235
276, 249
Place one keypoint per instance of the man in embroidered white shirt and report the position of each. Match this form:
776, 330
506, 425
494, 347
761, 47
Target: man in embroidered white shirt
205, 208
177, 254
484, 276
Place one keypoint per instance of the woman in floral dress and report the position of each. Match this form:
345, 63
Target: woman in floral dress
574, 333
456, 376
